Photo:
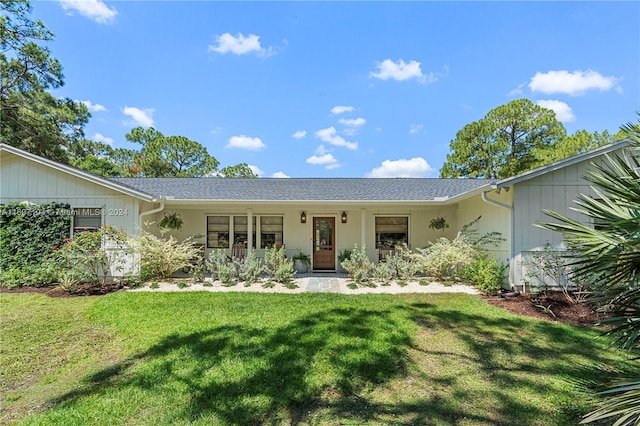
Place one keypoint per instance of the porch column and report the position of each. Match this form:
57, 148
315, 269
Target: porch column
363, 227
249, 230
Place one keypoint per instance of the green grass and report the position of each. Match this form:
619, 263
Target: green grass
243, 358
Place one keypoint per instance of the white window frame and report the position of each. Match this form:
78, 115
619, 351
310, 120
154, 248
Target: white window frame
86, 212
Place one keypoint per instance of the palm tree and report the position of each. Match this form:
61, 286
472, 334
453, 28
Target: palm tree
607, 258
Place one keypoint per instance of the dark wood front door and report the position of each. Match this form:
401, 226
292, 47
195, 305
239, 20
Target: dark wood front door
324, 249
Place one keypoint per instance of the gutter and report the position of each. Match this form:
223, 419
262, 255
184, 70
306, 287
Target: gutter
149, 212
512, 243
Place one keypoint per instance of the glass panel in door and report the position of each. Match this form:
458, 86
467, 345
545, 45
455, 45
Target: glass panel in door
324, 255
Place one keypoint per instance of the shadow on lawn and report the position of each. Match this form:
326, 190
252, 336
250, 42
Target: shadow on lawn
513, 355
320, 366
238, 374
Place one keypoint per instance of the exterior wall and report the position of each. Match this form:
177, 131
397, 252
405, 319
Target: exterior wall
359, 229
24, 180
555, 191
493, 219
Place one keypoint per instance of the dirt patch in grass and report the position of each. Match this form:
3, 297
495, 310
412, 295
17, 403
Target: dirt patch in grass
84, 289
550, 305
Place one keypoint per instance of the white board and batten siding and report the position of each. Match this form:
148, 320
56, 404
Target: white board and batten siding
24, 180
556, 191
493, 219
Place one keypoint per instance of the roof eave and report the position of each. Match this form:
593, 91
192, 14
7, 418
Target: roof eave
176, 201
98, 180
561, 164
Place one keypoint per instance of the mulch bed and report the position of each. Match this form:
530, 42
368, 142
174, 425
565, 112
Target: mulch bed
550, 305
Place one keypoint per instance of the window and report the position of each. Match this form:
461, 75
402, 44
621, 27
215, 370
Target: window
240, 235
271, 234
217, 231
391, 231
87, 219
268, 229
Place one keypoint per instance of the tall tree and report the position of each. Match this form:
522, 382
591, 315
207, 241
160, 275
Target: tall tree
30, 117
580, 141
170, 156
241, 170
503, 142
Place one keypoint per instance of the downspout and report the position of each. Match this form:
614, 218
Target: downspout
149, 212
512, 244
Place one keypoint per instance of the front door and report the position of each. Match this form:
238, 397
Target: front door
324, 249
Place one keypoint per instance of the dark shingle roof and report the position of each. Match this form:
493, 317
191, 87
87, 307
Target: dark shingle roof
304, 189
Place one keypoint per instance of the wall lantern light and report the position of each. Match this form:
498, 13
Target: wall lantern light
303, 217
343, 218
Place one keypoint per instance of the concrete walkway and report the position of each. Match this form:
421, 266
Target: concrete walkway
321, 285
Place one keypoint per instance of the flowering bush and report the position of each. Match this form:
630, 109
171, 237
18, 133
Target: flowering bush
91, 256
160, 257
443, 257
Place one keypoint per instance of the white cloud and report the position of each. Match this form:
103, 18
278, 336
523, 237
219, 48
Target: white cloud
330, 135
245, 142
352, 122
216, 130
93, 107
413, 168
256, 170
562, 110
280, 175
326, 160
340, 109
518, 90
93, 9
140, 117
299, 134
321, 150
240, 45
100, 138
414, 129
571, 83
401, 71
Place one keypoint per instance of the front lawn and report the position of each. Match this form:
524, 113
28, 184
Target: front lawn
231, 358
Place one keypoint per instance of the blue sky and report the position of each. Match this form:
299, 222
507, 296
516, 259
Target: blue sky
340, 89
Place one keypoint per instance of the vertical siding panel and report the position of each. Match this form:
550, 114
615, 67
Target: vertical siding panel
560, 204
547, 201
571, 173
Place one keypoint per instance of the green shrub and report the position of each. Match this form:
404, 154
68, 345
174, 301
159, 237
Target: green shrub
284, 273
91, 256
402, 263
485, 274
217, 260
161, 257
251, 268
29, 275
382, 272
344, 255
29, 232
278, 266
358, 266
228, 273
199, 272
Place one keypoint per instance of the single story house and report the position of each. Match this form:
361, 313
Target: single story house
319, 216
